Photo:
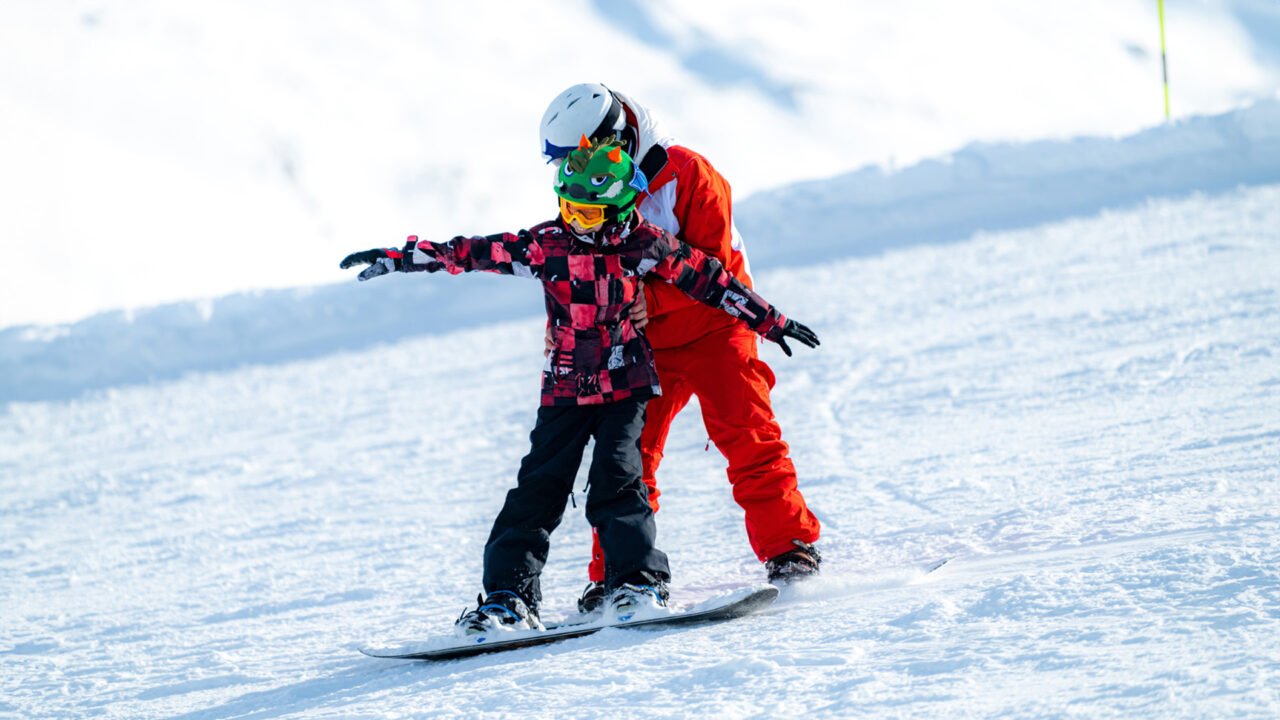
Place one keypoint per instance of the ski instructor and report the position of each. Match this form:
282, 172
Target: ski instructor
698, 351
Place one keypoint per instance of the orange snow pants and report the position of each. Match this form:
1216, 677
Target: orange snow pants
732, 385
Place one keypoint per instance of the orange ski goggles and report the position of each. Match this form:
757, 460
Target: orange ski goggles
588, 216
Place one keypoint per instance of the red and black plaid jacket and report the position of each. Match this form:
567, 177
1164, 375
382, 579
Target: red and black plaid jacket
590, 284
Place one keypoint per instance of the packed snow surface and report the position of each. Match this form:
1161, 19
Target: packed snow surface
1050, 355
1081, 414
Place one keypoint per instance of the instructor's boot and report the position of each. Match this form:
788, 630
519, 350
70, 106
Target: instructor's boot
502, 611
592, 598
798, 564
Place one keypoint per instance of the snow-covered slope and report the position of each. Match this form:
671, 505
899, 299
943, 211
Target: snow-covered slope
994, 187
1082, 414
983, 187
156, 151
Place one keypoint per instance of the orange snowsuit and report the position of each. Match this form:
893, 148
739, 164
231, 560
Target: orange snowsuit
700, 351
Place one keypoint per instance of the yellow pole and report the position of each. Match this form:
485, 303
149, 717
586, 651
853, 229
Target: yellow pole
1164, 61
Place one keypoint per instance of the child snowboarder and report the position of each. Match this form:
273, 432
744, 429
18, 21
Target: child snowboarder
597, 381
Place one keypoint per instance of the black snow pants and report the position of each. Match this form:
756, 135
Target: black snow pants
617, 499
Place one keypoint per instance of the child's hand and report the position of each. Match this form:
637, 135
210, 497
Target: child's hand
640, 310
793, 329
380, 261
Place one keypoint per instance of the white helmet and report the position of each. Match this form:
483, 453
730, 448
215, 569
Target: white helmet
589, 109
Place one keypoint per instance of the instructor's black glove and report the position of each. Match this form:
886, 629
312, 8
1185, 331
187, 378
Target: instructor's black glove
380, 262
795, 330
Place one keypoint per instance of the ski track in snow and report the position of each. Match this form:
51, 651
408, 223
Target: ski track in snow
1083, 415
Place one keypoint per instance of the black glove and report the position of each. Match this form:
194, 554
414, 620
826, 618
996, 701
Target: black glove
799, 332
380, 262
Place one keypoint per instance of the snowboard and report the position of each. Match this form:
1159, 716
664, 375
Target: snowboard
734, 606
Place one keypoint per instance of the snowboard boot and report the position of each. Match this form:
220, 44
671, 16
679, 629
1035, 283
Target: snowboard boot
645, 595
592, 599
798, 564
502, 611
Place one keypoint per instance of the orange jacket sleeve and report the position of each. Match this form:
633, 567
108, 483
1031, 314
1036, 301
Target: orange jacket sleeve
704, 209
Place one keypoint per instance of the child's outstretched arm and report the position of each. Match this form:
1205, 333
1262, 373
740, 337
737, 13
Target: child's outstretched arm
505, 254
703, 278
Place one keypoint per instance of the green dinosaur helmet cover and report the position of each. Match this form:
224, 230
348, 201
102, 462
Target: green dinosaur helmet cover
600, 173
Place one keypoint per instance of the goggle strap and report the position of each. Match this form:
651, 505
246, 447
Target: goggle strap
555, 152
610, 122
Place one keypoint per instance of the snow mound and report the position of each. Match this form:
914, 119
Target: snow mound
1004, 186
